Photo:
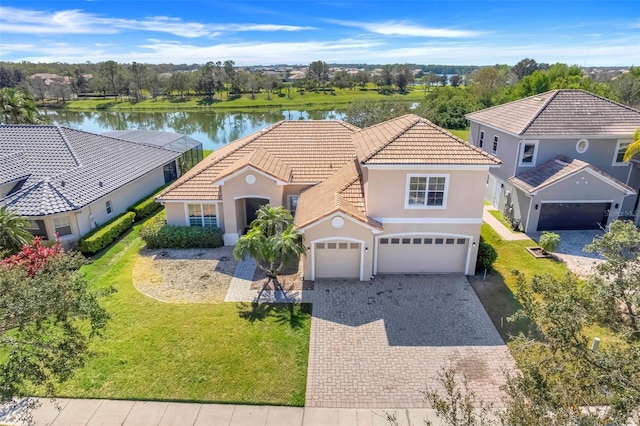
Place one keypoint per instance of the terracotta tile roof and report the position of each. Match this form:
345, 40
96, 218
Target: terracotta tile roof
262, 160
561, 112
553, 171
411, 139
313, 150
68, 169
342, 192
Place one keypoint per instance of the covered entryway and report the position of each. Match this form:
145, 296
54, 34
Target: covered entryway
573, 216
337, 259
251, 207
422, 254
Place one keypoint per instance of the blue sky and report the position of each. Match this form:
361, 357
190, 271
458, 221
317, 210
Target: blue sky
298, 32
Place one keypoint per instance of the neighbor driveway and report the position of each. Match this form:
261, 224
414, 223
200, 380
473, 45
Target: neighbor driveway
380, 344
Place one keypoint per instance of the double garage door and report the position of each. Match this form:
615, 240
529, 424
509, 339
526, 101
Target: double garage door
422, 254
569, 216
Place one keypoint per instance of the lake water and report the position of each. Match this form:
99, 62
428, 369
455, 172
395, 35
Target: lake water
212, 128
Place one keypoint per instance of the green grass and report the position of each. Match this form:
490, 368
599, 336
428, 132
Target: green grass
462, 134
307, 101
206, 153
223, 352
498, 215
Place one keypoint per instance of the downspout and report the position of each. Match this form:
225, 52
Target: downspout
515, 165
526, 225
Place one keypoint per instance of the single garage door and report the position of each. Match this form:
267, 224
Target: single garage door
337, 259
567, 216
422, 254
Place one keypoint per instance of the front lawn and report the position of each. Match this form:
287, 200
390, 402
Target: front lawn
224, 352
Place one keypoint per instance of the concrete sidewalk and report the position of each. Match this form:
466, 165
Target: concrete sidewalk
503, 231
103, 412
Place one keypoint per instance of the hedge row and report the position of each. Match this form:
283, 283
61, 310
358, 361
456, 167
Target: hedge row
157, 234
105, 234
147, 206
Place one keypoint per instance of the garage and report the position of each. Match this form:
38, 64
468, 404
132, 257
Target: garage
337, 259
422, 254
572, 216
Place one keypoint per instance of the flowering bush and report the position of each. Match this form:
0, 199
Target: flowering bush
33, 256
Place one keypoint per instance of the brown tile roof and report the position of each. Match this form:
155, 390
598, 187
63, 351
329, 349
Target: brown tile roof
411, 139
342, 192
553, 171
262, 160
561, 112
312, 149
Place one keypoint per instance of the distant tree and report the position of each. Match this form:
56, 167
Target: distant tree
342, 80
10, 77
403, 77
38, 88
17, 107
533, 84
386, 75
138, 73
318, 74
430, 79
627, 87
60, 91
13, 232
230, 74
526, 67
486, 83
179, 82
455, 80
206, 81
367, 112
111, 71
272, 242
79, 82
362, 78
447, 106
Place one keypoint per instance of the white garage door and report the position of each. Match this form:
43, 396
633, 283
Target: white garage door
337, 259
422, 254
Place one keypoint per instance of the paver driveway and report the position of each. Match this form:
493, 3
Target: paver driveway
379, 344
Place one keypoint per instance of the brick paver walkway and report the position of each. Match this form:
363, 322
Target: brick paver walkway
380, 344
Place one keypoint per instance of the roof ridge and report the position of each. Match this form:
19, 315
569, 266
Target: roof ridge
458, 139
544, 106
392, 139
603, 98
68, 145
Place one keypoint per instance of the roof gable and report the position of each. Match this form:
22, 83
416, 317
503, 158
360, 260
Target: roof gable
261, 160
411, 139
561, 112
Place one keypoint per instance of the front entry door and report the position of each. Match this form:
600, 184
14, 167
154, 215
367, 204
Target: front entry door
251, 206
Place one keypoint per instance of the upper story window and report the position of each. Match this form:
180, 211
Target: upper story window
62, 225
582, 145
426, 191
481, 140
202, 215
618, 155
494, 149
293, 204
528, 152
108, 206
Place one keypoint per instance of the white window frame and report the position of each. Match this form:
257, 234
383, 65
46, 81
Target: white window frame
60, 225
534, 157
481, 139
619, 145
494, 147
108, 206
290, 199
33, 225
426, 195
202, 217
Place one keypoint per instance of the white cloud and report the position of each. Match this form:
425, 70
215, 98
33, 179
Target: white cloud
22, 21
401, 28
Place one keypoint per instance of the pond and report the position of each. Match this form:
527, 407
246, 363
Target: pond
213, 128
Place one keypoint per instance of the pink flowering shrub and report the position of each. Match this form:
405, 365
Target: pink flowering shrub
33, 256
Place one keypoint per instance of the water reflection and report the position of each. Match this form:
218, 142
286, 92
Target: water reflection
212, 128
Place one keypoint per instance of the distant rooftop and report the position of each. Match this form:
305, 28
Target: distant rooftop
167, 140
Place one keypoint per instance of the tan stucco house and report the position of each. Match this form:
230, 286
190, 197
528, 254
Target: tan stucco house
562, 160
403, 196
67, 182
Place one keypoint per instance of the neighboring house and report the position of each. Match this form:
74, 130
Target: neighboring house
68, 181
562, 160
404, 196
190, 149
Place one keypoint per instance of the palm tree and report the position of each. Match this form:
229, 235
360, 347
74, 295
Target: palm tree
13, 234
17, 107
633, 148
272, 242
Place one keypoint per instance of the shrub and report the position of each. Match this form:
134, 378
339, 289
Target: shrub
486, 255
146, 206
105, 234
549, 241
157, 234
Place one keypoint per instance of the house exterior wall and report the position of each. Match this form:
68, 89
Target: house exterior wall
353, 231
95, 214
508, 148
176, 215
386, 194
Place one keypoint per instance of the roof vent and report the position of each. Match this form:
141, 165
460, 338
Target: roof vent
538, 98
100, 184
560, 162
63, 183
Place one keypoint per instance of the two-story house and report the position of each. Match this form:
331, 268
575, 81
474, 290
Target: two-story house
403, 196
562, 160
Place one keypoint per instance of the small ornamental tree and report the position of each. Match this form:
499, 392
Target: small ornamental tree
272, 242
549, 241
13, 233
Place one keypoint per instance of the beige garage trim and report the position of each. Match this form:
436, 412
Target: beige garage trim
414, 253
337, 258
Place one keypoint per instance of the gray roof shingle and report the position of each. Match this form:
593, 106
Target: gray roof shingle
68, 169
561, 112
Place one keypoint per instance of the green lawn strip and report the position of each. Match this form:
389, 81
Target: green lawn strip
498, 215
496, 292
195, 352
461, 133
307, 101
